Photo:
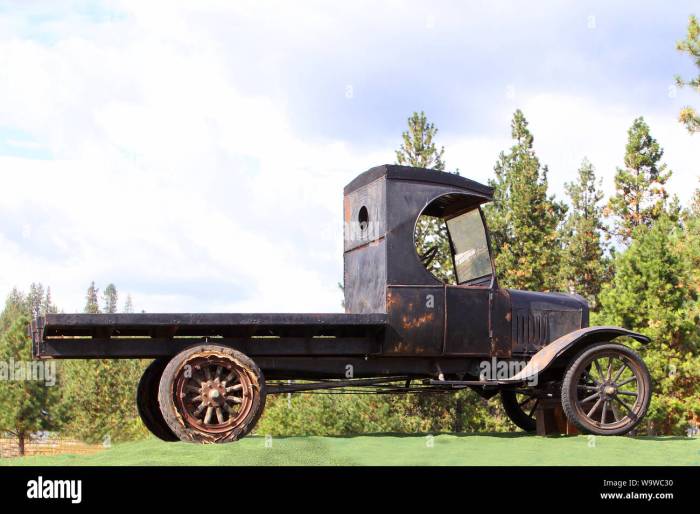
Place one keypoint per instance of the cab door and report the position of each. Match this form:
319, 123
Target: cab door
470, 303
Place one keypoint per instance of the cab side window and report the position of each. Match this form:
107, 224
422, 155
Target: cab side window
471, 252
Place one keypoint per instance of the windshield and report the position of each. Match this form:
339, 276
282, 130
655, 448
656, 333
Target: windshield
471, 252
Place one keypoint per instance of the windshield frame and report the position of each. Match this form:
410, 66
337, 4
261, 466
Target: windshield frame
487, 237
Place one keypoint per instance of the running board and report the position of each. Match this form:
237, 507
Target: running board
456, 384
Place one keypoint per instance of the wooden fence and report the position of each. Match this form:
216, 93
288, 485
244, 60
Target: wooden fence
45, 445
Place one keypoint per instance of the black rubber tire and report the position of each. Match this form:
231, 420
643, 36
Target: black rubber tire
515, 413
147, 401
189, 432
569, 389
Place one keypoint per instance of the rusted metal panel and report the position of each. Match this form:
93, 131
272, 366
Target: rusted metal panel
540, 318
364, 215
467, 330
405, 202
500, 323
544, 358
364, 260
415, 320
365, 278
211, 325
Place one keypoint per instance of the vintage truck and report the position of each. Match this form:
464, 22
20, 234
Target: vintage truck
404, 330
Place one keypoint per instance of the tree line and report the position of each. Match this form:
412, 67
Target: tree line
92, 400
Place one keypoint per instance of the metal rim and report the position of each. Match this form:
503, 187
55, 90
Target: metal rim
213, 393
611, 390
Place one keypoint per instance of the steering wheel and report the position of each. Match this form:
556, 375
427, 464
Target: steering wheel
429, 256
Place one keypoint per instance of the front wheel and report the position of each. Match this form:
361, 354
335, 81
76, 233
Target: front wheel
520, 408
606, 389
211, 394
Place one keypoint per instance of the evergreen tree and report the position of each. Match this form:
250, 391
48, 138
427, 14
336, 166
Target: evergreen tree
128, 305
691, 46
110, 299
583, 265
101, 395
640, 196
47, 306
419, 150
101, 391
28, 402
91, 305
523, 219
35, 299
652, 293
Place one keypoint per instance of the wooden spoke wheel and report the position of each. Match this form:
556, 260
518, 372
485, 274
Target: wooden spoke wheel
520, 407
211, 394
147, 401
606, 389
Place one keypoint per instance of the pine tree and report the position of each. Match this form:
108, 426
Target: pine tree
419, 150
523, 219
35, 299
583, 265
652, 292
47, 306
101, 391
128, 305
27, 403
690, 45
110, 299
91, 305
640, 196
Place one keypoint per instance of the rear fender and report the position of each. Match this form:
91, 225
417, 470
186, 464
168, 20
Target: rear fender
573, 340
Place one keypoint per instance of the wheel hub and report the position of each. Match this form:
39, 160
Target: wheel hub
609, 390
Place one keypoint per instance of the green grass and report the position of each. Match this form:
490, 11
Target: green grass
395, 450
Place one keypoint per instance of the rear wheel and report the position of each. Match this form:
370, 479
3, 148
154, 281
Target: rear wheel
520, 408
147, 401
606, 389
211, 394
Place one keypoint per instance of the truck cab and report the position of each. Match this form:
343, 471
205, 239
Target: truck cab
453, 308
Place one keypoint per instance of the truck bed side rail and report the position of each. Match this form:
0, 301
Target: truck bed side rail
154, 335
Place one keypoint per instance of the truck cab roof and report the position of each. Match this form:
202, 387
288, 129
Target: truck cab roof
428, 176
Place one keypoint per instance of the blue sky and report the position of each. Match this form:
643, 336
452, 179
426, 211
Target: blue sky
194, 153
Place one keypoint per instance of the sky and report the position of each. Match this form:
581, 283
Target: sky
194, 153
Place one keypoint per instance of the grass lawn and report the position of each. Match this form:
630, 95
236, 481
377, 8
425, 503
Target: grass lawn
395, 450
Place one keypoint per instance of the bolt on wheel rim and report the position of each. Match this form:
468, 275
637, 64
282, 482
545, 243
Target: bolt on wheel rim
213, 393
611, 390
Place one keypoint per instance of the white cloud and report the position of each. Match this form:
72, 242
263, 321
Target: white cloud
166, 176
568, 128
179, 171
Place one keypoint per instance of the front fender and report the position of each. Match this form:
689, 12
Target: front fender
576, 339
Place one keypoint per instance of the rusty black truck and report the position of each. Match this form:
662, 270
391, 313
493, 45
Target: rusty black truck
404, 330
